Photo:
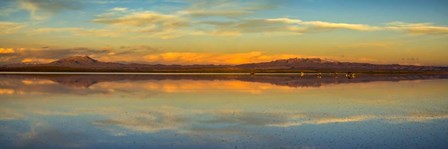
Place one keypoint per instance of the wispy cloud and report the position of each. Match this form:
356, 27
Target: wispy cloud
281, 25
10, 27
418, 28
8, 114
7, 7
43, 9
79, 31
119, 9
144, 22
183, 120
288, 25
320, 25
227, 8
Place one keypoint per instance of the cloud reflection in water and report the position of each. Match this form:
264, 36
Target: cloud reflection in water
204, 111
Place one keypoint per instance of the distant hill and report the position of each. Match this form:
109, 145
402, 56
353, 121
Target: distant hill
319, 65
88, 64
77, 60
82, 62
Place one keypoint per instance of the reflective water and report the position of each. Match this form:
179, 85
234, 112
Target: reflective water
223, 111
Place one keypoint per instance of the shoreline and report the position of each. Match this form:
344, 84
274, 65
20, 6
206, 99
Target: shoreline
207, 73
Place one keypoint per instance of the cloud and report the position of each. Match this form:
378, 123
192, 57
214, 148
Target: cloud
37, 82
227, 8
240, 27
186, 120
6, 50
43, 55
127, 54
214, 58
37, 60
203, 13
43, 9
43, 132
320, 25
163, 118
148, 23
4, 91
119, 9
141, 19
7, 7
10, 27
297, 26
143, 24
79, 31
418, 28
285, 20
279, 25
141, 54
196, 86
9, 114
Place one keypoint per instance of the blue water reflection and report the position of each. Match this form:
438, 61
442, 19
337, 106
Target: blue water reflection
125, 111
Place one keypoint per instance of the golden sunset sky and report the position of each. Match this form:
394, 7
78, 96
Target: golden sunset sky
225, 31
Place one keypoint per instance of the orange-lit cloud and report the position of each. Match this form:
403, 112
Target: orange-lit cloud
43, 55
6, 91
37, 82
214, 58
190, 86
151, 55
37, 60
6, 50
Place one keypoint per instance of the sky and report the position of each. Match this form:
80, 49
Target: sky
225, 31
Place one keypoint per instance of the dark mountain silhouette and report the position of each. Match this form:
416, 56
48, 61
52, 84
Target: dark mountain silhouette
82, 61
319, 65
76, 60
88, 64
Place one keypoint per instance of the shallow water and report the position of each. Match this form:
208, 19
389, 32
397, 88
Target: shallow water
222, 111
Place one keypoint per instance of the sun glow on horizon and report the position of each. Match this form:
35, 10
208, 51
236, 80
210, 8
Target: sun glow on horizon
224, 31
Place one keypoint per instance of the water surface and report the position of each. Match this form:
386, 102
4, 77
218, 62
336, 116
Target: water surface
223, 111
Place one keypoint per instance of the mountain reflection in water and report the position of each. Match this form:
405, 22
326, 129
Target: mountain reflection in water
223, 111
313, 80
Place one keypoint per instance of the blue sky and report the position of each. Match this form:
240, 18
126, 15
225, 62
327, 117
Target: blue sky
178, 31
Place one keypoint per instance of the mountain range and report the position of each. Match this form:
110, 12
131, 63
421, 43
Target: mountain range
88, 64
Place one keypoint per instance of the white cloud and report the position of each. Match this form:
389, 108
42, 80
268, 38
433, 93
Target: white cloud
146, 23
417, 28
119, 9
